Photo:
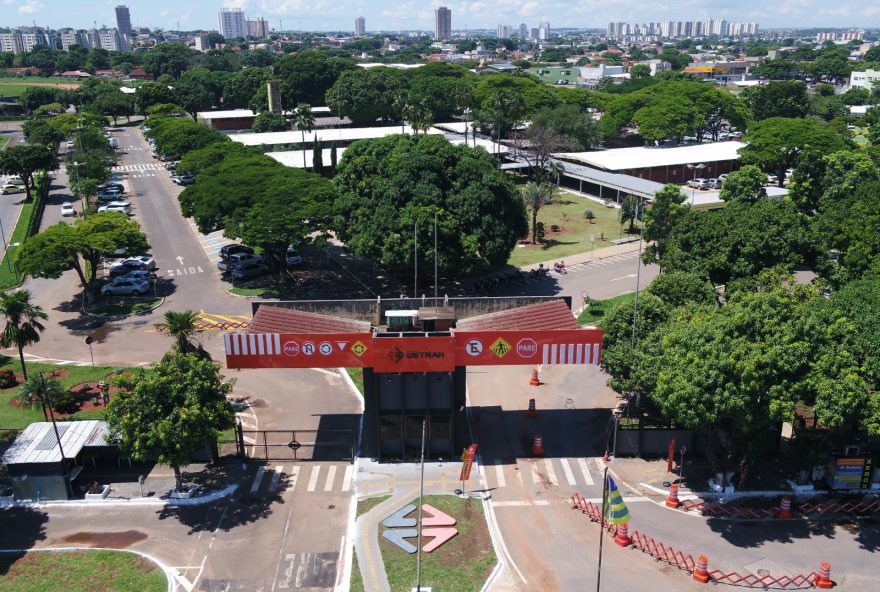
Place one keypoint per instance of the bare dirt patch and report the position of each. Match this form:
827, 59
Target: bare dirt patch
111, 540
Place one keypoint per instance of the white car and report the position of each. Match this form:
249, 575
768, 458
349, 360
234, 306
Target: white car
132, 264
123, 207
10, 188
67, 209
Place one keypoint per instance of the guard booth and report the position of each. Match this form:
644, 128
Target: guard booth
415, 366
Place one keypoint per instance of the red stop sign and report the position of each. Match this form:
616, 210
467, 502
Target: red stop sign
291, 348
526, 347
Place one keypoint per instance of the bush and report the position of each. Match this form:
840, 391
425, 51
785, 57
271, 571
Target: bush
590, 215
539, 231
7, 379
64, 402
554, 227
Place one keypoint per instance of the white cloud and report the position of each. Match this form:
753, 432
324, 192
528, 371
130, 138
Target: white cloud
9, 2
30, 7
839, 11
871, 11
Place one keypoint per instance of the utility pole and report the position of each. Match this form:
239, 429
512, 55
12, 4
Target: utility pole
416, 259
436, 279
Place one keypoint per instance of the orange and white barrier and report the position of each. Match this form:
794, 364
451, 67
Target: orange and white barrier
784, 512
622, 536
538, 446
532, 412
824, 580
701, 569
672, 499
535, 381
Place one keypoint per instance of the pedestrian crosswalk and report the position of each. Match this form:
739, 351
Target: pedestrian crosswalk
129, 168
548, 473
303, 478
597, 263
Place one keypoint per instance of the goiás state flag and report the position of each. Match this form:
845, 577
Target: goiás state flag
615, 510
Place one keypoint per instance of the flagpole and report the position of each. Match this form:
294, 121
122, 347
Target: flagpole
602, 527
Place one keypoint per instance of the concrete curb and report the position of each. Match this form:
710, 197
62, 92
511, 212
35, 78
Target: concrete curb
144, 502
118, 317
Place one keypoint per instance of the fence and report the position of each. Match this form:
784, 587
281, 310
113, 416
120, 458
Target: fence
336, 444
686, 562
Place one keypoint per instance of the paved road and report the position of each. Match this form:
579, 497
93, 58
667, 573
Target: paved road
10, 205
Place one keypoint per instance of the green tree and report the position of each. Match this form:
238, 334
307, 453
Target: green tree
307, 76
680, 288
630, 211
80, 246
366, 95
269, 122
304, 120
183, 327
168, 58
318, 158
640, 71
40, 131
24, 161
171, 411
38, 391
387, 186
570, 122
745, 184
661, 218
774, 144
23, 326
175, 137
192, 96
241, 87
151, 93
536, 196
115, 104
778, 99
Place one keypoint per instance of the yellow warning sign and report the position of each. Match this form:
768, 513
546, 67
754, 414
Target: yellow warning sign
500, 347
359, 348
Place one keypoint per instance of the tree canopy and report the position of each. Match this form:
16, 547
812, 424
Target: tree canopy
387, 186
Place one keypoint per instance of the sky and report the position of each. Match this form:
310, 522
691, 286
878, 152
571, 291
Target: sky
324, 15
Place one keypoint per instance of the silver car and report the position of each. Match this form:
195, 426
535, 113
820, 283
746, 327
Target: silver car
125, 286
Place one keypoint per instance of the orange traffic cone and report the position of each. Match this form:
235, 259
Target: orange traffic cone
535, 381
701, 569
824, 580
532, 412
622, 536
784, 512
672, 498
538, 446
606, 459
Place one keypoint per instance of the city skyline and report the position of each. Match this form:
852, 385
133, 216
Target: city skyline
293, 15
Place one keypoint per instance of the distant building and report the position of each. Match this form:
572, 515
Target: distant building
523, 31
123, 20
110, 40
867, 79
201, 43
258, 29
504, 32
232, 23
72, 37
360, 27
442, 23
544, 31
533, 33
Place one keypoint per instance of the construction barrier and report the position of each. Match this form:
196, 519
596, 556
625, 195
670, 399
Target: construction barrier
687, 563
672, 498
220, 326
535, 381
538, 446
839, 507
532, 412
807, 508
824, 580
622, 536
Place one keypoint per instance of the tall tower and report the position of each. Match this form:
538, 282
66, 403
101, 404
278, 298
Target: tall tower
123, 19
442, 24
274, 92
232, 23
360, 26
544, 31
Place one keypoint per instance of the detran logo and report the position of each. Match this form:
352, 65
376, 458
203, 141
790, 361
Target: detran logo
291, 348
526, 347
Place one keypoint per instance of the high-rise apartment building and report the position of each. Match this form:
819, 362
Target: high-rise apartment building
360, 26
73, 37
523, 31
110, 40
232, 23
544, 31
504, 32
258, 29
442, 23
123, 20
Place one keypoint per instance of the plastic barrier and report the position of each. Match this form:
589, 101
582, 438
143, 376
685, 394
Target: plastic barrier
532, 412
534, 380
221, 326
538, 446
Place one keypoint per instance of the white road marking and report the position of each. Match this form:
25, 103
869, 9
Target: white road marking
276, 479
551, 473
623, 277
258, 479
331, 476
248, 439
588, 478
499, 474
346, 478
313, 478
595, 500
294, 475
533, 467
566, 468
519, 475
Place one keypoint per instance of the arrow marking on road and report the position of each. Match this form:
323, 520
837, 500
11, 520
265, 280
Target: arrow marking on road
435, 517
180, 260
441, 535
397, 519
396, 537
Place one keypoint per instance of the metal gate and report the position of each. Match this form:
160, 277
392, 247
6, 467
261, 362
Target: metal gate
323, 445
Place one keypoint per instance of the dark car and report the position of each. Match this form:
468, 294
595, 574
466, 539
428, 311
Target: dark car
227, 251
251, 271
239, 260
112, 186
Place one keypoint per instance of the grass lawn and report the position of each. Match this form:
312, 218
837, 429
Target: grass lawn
3, 140
357, 376
598, 308
15, 418
264, 292
368, 504
461, 565
127, 307
357, 582
9, 278
567, 212
79, 571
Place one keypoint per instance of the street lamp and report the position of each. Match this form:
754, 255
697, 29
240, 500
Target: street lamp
76, 166
695, 168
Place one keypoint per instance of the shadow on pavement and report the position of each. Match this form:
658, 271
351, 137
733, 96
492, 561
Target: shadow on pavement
754, 533
21, 528
505, 436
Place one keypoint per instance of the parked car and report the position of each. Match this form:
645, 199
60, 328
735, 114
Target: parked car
238, 260
140, 274
112, 185
233, 248
110, 192
125, 286
183, 179
772, 180
14, 180
142, 263
67, 209
123, 207
248, 272
714, 183
292, 257
170, 166
698, 183
10, 188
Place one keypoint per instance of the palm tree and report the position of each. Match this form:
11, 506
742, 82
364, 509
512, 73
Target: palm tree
462, 102
39, 391
182, 327
401, 107
629, 211
419, 116
555, 170
23, 326
304, 120
535, 196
